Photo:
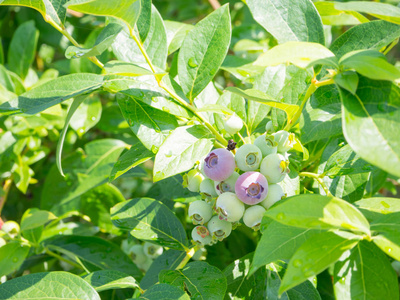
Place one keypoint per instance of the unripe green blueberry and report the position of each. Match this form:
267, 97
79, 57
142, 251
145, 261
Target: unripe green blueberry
151, 250
219, 229
2, 242
274, 167
285, 140
144, 266
233, 124
200, 211
227, 185
253, 215
11, 228
229, 207
192, 180
207, 189
137, 254
251, 187
269, 128
267, 144
275, 193
219, 164
201, 235
199, 254
248, 157
126, 245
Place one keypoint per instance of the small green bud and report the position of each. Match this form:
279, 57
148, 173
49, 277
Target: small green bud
192, 180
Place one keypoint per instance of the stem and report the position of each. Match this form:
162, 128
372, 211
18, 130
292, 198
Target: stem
390, 47
241, 137
317, 178
215, 4
65, 33
189, 255
311, 89
59, 257
6, 189
181, 101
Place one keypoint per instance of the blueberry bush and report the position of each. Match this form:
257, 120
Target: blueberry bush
199, 150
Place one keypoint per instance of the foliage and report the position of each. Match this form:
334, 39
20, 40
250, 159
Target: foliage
109, 108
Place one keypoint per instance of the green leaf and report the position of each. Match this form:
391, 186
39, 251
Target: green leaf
126, 10
5, 79
368, 119
383, 11
307, 262
345, 161
365, 273
176, 33
126, 69
103, 42
149, 124
164, 291
372, 35
202, 280
242, 285
50, 285
279, 242
388, 240
144, 22
332, 16
155, 44
12, 255
300, 54
150, 220
85, 170
53, 9
319, 212
33, 217
370, 63
53, 92
87, 115
287, 83
303, 291
234, 103
110, 279
94, 253
256, 95
289, 20
383, 205
181, 150
71, 110
203, 51
168, 260
241, 68
21, 52
347, 80
136, 155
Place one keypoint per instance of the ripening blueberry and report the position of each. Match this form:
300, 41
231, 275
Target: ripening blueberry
207, 189
227, 185
275, 193
137, 254
253, 215
219, 229
200, 211
201, 235
229, 207
233, 124
219, 164
251, 187
267, 144
248, 157
151, 250
192, 180
285, 140
274, 167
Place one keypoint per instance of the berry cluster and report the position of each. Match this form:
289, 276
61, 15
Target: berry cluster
142, 254
237, 187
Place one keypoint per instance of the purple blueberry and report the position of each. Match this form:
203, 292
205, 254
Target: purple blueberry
251, 187
219, 164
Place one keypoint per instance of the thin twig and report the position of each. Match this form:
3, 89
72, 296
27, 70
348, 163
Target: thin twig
215, 4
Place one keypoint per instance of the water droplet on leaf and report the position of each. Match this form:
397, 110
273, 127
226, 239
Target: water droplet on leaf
192, 63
